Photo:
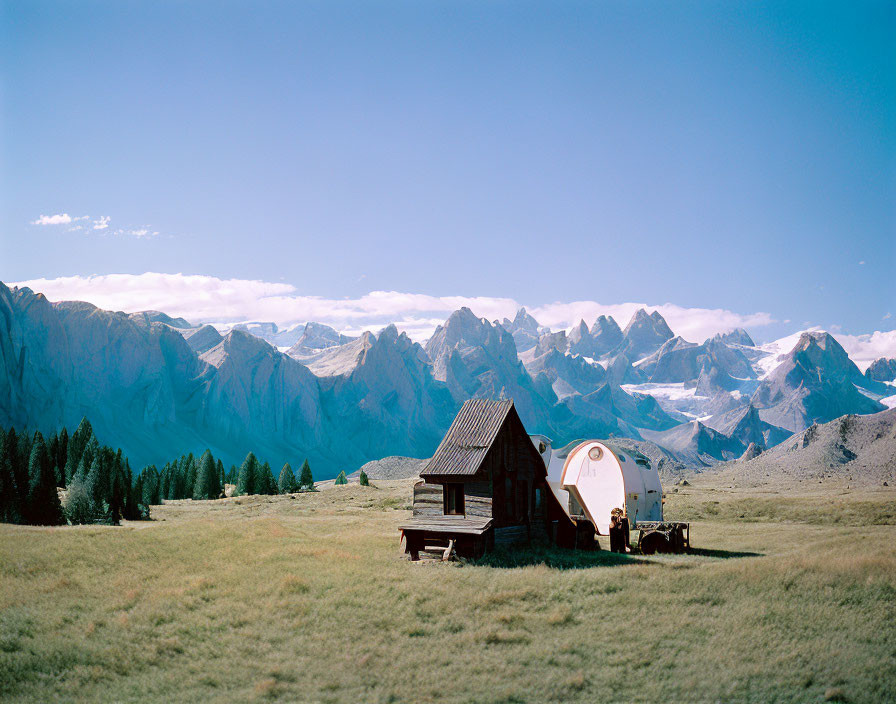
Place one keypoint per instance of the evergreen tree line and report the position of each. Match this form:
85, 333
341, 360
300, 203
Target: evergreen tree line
98, 483
97, 479
202, 479
257, 478
184, 478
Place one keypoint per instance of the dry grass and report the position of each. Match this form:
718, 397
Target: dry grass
307, 599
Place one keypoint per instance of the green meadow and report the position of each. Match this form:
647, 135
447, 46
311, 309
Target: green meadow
787, 597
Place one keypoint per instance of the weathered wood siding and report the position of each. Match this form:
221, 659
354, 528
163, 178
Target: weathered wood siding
428, 499
511, 535
477, 499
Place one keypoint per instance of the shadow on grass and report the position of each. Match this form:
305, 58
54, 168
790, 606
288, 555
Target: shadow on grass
722, 554
557, 558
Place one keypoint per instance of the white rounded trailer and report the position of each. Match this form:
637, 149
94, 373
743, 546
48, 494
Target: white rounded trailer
592, 477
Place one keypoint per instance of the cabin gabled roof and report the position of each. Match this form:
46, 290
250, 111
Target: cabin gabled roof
469, 438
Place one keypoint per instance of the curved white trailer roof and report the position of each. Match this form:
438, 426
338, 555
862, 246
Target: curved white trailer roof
602, 478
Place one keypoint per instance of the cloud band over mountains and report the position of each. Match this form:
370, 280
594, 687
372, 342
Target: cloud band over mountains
224, 302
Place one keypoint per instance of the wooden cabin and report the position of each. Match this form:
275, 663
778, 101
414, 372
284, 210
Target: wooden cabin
485, 485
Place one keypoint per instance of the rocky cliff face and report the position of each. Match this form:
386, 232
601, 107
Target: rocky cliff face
744, 424
161, 387
477, 359
737, 336
882, 369
524, 329
859, 450
681, 361
816, 382
316, 338
697, 444
566, 374
644, 335
606, 334
387, 401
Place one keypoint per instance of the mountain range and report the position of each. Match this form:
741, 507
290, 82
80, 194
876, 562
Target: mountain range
160, 386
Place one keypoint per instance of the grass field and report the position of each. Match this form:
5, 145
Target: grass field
789, 597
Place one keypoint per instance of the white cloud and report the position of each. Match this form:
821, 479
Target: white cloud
227, 301
864, 349
861, 262
59, 219
141, 232
102, 223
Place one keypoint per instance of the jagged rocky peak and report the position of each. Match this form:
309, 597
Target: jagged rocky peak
815, 382
258, 329
273, 333
147, 317
820, 351
522, 321
566, 374
582, 342
464, 329
644, 334
240, 346
579, 332
524, 329
751, 452
882, 369
315, 338
607, 328
620, 371
712, 380
652, 322
552, 341
320, 336
202, 339
736, 336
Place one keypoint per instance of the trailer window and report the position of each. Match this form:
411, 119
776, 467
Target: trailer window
454, 499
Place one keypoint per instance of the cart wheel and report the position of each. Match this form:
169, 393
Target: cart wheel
653, 543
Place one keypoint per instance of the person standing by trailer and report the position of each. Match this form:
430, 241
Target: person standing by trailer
618, 531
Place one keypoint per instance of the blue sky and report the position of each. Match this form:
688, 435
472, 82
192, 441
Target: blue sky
737, 155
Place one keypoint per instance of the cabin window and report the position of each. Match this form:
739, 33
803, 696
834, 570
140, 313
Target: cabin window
539, 503
454, 499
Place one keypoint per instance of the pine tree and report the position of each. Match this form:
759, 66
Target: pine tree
362, 480
152, 487
221, 477
93, 485
267, 483
247, 481
133, 492
116, 491
10, 500
19, 469
132, 505
62, 455
341, 479
287, 481
79, 507
207, 485
164, 482
306, 481
91, 450
43, 507
189, 476
52, 453
76, 446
